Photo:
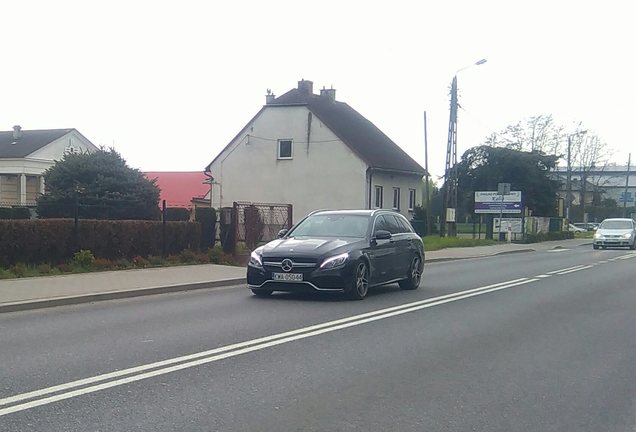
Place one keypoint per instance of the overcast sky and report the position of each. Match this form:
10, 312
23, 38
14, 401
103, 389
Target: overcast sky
168, 84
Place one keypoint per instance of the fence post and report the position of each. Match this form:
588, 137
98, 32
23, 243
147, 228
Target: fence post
163, 228
235, 227
76, 222
290, 216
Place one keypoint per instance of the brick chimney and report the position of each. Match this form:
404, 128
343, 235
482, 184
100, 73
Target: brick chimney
306, 86
328, 93
17, 132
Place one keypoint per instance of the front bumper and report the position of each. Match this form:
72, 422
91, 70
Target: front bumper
613, 242
313, 279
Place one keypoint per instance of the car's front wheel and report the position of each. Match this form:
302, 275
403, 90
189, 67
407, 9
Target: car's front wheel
633, 246
358, 287
262, 292
595, 246
414, 276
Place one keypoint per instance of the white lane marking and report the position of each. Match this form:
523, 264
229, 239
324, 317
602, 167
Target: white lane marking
558, 250
565, 269
123, 372
603, 262
576, 269
543, 276
214, 358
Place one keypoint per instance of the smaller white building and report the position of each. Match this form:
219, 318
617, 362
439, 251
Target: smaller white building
314, 152
26, 154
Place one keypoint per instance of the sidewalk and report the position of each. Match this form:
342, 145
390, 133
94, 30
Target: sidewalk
48, 291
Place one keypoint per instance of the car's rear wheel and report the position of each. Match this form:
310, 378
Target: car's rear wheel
262, 292
414, 276
358, 287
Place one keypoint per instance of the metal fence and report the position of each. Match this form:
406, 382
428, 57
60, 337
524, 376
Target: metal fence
253, 223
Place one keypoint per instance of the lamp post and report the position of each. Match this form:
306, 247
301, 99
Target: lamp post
568, 179
449, 206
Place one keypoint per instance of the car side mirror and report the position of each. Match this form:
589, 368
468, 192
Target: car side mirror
382, 235
282, 233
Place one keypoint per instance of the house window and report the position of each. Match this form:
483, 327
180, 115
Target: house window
396, 198
411, 199
378, 197
285, 149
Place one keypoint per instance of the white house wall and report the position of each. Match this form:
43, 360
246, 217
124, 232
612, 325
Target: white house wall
388, 181
323, 174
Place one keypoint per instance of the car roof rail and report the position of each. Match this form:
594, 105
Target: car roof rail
318, 211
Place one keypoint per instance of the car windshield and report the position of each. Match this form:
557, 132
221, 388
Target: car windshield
332, 225
616, 224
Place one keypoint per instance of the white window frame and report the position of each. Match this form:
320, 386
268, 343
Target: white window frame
379, 189
396, 205
291, 156
412, 195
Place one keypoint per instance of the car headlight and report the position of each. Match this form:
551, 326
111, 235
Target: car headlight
598, 235
256, 257
334, 261
626, 236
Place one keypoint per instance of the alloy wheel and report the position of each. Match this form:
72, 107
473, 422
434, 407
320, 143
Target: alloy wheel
362, 279
416, 274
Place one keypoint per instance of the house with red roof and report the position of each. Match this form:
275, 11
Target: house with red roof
181, 188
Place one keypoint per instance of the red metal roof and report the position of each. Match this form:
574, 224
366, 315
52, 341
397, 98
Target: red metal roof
179, 187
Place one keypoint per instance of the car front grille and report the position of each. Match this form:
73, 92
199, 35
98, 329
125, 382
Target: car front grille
297, 263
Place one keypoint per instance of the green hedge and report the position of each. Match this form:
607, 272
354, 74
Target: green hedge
54, 240
558, 235
15, 213
206, 216
181, 214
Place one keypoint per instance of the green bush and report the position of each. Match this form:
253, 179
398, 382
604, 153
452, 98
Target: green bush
15, 213
177, 214
139, 262
19, 270
206, 216
83, 259
187, 256
155, 260
44, 269
549, 236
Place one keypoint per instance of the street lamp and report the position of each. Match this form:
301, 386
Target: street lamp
450, 174
568, 179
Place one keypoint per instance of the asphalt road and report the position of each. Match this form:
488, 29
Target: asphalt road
540, 341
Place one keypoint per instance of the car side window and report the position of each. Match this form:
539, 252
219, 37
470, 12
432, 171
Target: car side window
406, 227
380, 224
393, 226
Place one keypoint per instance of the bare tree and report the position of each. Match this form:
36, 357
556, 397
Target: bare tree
589, 153
536, 133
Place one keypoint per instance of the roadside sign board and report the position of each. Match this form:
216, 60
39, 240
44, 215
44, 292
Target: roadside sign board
513, 223
491, 202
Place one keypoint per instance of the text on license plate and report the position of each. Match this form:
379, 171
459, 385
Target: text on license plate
287, 277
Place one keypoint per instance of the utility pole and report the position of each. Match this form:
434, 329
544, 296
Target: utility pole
629, 162
449, 207
427, 187
568, 180
450, 173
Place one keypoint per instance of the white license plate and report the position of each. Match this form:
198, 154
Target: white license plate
287, 277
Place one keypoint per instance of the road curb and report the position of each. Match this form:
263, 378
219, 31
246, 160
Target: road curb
444, 259
113, 295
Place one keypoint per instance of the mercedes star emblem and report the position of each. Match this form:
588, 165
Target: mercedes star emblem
287, 265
